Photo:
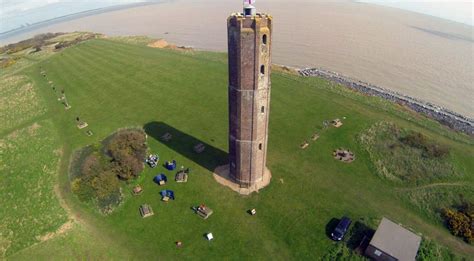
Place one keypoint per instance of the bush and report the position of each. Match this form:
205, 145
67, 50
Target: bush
127, 150
420, 141
460, 221
100, 169
38, 40
341, 252
430, 250
105, 184
97, 181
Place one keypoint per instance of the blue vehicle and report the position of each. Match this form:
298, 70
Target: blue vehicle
341, 229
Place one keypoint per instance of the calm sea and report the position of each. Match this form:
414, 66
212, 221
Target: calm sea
418, 55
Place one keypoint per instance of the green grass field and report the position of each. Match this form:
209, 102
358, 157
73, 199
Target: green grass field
30, 151
113, 85
19, 103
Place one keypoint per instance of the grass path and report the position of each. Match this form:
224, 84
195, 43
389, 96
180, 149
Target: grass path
433, 185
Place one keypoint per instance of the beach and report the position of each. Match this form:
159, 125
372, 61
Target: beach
420, 56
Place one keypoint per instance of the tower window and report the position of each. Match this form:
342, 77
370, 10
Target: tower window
262, 109
260, 146
262, 69
264, 39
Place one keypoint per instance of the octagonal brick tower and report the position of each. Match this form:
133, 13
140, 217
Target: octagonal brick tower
249, 51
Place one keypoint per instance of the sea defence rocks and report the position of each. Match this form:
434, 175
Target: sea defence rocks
444, 116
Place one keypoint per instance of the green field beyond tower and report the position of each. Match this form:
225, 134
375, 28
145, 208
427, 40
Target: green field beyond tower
111, 84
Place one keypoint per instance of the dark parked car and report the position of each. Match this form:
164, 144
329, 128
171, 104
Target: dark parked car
341, 229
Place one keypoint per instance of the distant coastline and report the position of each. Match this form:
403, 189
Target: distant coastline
445, 116
65, 18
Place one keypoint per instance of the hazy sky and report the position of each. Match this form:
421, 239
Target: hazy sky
17, 13
455, 10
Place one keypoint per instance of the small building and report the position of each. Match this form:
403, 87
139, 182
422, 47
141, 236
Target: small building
392, 242
146, 211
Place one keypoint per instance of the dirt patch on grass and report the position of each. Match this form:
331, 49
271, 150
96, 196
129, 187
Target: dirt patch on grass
163, 44
159, 44
33, 128
61, 230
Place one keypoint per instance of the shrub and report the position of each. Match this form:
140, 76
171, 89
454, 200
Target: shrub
415, 139
420, 141
341, 252
100, 169
91, 165
460, 221
429, 250
105, 184
127, 150
38, 40
127, 167
82, 190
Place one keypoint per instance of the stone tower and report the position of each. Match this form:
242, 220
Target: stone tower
249, 50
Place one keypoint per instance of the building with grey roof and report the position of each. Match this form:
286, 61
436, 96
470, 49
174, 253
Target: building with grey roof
393, 242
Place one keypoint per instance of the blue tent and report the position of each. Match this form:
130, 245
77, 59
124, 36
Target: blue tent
167, 193
160, 179
170, 165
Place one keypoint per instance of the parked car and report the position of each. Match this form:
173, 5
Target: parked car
341, 229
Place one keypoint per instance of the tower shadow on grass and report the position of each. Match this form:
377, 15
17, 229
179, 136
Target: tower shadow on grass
183, 144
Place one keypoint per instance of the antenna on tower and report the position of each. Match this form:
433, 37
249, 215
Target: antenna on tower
249, 9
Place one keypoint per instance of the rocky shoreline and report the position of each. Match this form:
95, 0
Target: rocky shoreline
444, 116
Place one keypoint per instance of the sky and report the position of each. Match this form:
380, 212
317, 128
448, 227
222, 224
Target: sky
17, 13
460, 11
